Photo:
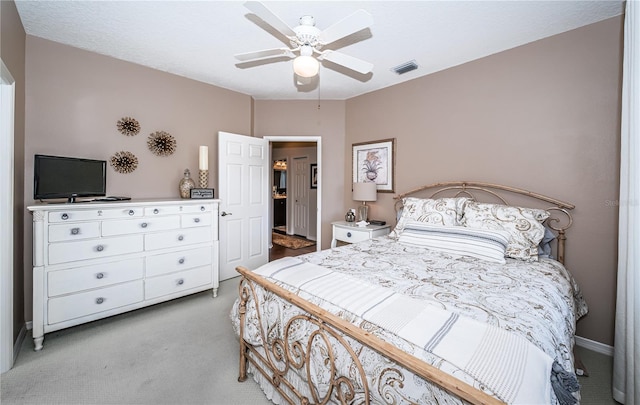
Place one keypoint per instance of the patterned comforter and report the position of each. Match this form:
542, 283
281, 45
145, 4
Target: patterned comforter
538, 302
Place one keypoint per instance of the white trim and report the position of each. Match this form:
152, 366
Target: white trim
7, 111
19, 340
318, 141
594, 346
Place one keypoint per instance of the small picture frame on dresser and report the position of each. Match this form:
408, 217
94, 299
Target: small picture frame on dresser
201, 193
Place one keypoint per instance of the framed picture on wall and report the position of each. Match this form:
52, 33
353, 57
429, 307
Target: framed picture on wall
314, 175
375, 162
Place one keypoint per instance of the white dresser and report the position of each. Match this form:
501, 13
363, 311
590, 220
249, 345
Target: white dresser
95, 259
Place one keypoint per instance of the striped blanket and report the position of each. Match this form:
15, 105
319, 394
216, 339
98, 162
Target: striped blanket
508, 365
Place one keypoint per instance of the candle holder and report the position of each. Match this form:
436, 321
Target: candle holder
203, 178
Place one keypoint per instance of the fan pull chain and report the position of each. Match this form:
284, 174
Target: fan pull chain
318, 89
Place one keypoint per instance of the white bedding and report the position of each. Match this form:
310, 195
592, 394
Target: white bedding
539, 302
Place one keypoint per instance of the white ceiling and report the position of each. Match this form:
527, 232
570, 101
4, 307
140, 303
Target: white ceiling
197, 39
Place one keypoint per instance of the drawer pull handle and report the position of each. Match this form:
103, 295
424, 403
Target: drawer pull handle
99, 300
64, 217
75, 231
180, 238
181, 281
100, 276
196, 220
131, 212
155, 211
181, 261
99, 248
202, 208
144, 224
348, 234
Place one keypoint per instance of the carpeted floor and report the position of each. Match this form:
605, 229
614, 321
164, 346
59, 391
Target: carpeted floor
179, 352
291, 242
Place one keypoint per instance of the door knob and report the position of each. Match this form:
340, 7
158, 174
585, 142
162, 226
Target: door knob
224, 213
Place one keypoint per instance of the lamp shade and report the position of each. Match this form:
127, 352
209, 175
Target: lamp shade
365, 191
306, 66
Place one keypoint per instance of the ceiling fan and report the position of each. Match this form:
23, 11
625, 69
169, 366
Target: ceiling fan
307, 41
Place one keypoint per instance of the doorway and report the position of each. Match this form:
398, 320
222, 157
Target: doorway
279, 195
315, 195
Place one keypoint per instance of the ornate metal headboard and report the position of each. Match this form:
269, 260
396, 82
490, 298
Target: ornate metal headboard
560, 219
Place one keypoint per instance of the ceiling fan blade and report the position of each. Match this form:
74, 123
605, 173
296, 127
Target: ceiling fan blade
270, 18
347, 61
355, 22
264, 54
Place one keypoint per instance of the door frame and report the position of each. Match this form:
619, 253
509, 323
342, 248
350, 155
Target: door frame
7, 95
318, 141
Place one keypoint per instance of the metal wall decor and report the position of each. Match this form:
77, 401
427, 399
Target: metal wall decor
161, 143
128, 126
124, 162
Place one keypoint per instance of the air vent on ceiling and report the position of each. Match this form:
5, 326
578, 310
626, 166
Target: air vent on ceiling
405, 67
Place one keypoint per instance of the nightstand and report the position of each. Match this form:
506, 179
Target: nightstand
351, 233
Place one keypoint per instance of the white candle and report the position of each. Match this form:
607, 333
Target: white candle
204, 158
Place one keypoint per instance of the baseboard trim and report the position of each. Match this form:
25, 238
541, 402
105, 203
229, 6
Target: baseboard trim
594, 346
18, 344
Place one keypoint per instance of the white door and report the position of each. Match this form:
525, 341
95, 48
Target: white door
243, 182
301, 185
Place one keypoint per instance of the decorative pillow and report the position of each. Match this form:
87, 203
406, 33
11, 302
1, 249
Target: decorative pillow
478, 243
441, 211
523, 224
544, 248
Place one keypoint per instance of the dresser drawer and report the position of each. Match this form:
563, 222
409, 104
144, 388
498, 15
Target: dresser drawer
93, 214
96, 276
195, 220
74, 231
172, 283
182, 237
139, 225
177, 261
63, 252
160, 210
351, 235
73, 306
202, 208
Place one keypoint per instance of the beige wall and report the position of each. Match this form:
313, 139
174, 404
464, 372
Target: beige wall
75, 98
305, 118
544, 117
12, 52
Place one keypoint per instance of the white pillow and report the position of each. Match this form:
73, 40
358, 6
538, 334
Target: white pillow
524, 226
482, 244
441, 211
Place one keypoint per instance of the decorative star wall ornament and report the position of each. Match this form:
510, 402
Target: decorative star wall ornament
124, 162
128, 126
161, 143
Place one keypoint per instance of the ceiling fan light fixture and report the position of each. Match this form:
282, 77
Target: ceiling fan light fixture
306, 66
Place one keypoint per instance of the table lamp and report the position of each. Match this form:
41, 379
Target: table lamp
364, 192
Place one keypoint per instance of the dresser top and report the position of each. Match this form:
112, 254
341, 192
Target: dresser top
61, 206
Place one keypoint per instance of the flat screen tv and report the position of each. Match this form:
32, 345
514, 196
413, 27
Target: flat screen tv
68, 177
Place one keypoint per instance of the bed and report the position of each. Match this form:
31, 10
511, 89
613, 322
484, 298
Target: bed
464, 302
